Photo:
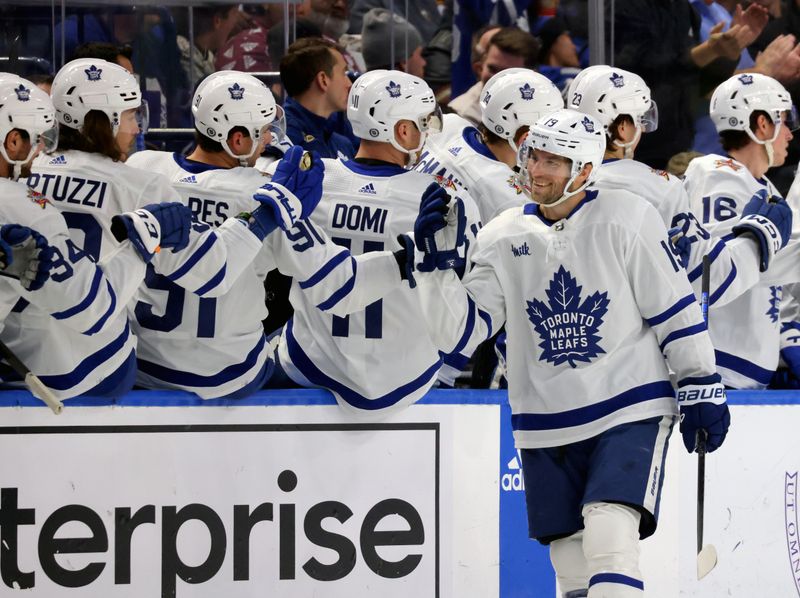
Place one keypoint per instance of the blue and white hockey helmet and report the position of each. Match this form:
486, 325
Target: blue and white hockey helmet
25, 107
381, 98
89, 84
737, 98
516, 98
228, 99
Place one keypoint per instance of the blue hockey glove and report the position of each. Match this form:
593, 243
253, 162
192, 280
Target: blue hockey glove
440, 231
770, 224
154, 226
405, 259
300, 174
28, 255
260, 221
704, 410
681, 245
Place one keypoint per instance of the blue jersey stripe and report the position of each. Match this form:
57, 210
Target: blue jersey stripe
200, 381
710, 379
590, 413
213, 282
314, 375
488, 319
617, 578
743, 367
712, 255
343, 292
325, 270
86, 302
468, 328
666, 315
195, 257
105, 317
88, 365
682, 333
724, 286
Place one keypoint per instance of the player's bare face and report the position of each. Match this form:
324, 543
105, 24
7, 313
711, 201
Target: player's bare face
549, 174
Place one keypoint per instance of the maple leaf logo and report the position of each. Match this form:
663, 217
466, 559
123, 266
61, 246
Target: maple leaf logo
23, 93
746, 79
487, 97
588, 124
526, 91
568, 328
93, 73
393, 89
774, 303
237, 92
617, 79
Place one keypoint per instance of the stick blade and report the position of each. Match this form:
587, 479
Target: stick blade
40, 391
706, 560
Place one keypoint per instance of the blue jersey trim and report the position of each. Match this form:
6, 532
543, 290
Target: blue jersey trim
468, 327
98, 326
343, 292
454, 360
617, 578
710, 379
682, 333
197, 380
532, 209
214, 282
325, 270
195, 257
712, 255
789, 325
314, 375
472, 138
86, 302
724, 286
666, 315
743, 367
488, 320
193, 166
590, 413
87, 366
383, 170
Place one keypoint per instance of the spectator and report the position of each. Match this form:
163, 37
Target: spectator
508, 47
424, 15
248, 50
558, 58
212, 28
385, 36
314, 74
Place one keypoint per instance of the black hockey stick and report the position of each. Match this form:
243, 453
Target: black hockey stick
36, 386
706, 555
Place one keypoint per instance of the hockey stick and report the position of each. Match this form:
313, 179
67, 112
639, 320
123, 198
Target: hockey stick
39, 390
706, 555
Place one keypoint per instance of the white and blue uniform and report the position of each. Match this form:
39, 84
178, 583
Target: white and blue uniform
215, 345
78, 315
385, 356
459, 154
734, 264
746, 331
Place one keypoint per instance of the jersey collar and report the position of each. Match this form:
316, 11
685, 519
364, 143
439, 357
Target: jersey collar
193, 166
532, 208
384, 169
472, 138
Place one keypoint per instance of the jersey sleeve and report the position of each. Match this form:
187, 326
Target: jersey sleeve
666, 301
331, 277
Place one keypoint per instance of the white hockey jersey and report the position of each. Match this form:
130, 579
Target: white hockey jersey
215, 346
734, 264
459, 154
384, 356
592, 305
73, 332
745, 332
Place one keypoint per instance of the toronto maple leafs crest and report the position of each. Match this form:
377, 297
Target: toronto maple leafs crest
393, 89
746, 79
23, 93
588, 124
617, 79
487, 97
236, 91
568, 327
526, 91
93, 73
774, 310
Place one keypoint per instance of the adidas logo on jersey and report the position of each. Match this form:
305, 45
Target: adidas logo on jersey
369, 188
513, 480
59, 160
455, 150
188, 179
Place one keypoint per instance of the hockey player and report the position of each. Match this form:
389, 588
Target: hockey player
621, 101
483, 160
383, 357
754, 116
595, 311
216, 346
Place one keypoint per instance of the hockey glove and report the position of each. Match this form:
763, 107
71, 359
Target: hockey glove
300, 173
703, 410
770, 224
681, 245
405, 259
28, 256
154, 226
440, 231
